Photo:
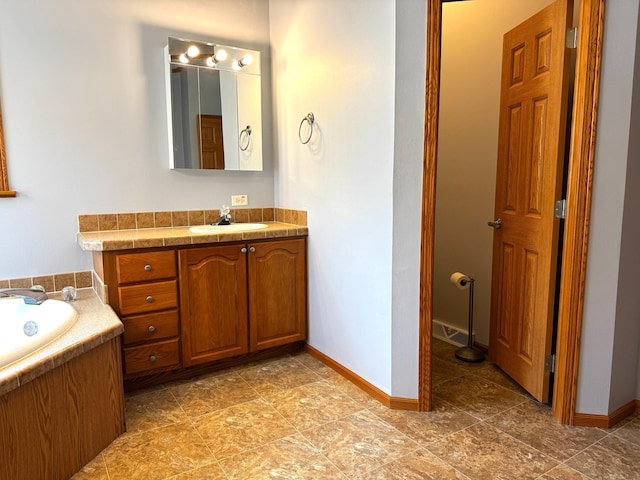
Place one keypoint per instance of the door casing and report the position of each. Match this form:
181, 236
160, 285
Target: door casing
576, 227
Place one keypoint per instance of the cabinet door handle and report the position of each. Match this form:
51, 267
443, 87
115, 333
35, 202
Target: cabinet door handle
152, 328
252, 249
243, 250
149, 299
152, 358
147, 268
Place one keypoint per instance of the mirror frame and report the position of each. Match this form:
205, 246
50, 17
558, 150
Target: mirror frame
248, 160
4, 177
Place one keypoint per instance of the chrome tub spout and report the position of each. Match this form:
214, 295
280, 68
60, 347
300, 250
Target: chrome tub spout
30, 296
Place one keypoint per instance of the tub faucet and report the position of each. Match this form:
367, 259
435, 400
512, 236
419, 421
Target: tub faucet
30, 296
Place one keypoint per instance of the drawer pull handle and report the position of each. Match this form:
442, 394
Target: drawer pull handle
152, 358
243, 250
152, 328
149, 299
147, 268
252, 249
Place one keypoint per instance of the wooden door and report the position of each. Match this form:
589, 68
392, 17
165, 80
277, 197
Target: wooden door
533, 109
213, 303
210, 142
277, 293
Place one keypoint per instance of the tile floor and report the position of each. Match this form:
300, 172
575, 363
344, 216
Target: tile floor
294, 418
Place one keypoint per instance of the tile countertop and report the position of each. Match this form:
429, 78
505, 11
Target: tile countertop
173, 236
97, 324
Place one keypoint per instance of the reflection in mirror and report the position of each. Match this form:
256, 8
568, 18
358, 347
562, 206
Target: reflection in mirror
214, 106
4, 179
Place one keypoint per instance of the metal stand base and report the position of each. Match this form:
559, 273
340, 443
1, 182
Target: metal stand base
469, 354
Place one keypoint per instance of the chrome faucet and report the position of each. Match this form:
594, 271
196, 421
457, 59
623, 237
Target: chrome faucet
225, 216
31, 296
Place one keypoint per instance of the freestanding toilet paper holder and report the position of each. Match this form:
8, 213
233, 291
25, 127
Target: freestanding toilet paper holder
470, 353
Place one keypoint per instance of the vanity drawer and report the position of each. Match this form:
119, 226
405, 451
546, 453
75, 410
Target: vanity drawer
151, 356
145, 266
150, 327
148, 297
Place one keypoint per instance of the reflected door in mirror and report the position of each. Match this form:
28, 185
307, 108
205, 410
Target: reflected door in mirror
211, 142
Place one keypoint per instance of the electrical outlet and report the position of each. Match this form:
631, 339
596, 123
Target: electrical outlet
239, 200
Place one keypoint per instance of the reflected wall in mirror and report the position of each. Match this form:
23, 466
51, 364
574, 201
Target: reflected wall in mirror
214, 106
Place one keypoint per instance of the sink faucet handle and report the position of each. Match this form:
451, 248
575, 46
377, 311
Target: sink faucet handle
225, 211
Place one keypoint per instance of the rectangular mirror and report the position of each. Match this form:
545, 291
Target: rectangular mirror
214, 106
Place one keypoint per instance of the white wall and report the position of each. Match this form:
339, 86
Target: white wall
609, 350
336, 59
472, 35
83, 96
410, 80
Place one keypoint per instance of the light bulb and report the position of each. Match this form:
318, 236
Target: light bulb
193, 51
246, 60
211, 61
236, 65
220, 55
183, 58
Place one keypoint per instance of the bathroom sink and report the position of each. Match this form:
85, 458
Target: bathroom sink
234, 227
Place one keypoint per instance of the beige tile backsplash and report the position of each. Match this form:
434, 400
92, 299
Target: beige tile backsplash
139, 220
185, 218
51, 283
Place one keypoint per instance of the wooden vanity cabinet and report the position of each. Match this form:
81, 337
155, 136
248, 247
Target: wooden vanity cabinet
277, 293
193, 305
242, 298
144, 293
213, 297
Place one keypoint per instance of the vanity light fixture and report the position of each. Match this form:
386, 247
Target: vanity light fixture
243, 62
219, 56
192, 52
246, 60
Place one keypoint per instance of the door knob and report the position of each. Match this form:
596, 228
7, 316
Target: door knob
497, 224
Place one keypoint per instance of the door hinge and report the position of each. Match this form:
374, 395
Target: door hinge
572, 37
550, 363
561, 209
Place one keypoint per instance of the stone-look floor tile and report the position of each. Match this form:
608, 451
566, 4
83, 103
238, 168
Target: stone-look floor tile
152, 410
484, 452
313, 404
427, 427
290, 457
159, 453
360, 442
354, 392
213, 471
208, 394
241, 427
441, 371
562, 472
535, 425
477, 397
315, 365
491, 372
610, 458
283, 374
96, 469
630, 430
418, 465
442, 349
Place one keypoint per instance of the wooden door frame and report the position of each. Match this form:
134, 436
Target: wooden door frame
576, 227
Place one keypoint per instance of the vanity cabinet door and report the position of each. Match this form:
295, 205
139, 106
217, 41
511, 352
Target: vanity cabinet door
277, 293
213, 303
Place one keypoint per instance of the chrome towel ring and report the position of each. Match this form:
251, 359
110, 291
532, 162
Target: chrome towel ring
310, 119
245, 138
